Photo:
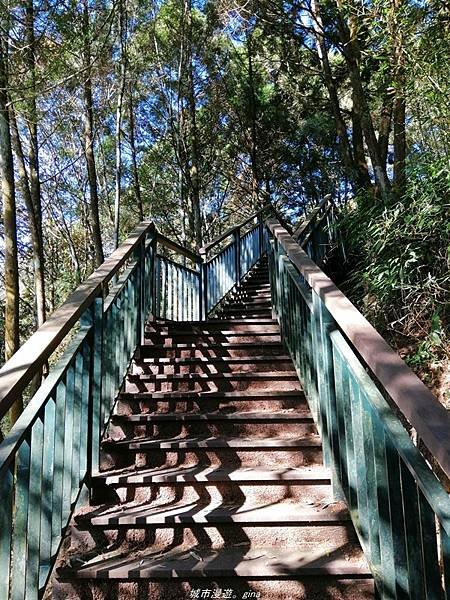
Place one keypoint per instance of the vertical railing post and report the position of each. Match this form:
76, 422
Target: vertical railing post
237, 260
147, 274
94, 317
203, 285
154, 277
324, 325
140, 317
272, 277
200, 267
6, 524
260, 234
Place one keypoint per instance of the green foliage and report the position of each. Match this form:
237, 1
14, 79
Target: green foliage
399, 254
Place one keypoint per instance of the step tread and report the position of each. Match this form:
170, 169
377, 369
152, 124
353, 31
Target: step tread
272, 375
232, 345
204, 332
248, 417
254, 309
279, 514
214, 321
201, 442
214, 332
213, 394
259, 563
210, 474
167, 360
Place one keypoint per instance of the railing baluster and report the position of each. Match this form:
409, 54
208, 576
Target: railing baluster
373, 515
47, 489
6, 528
84, 433
339, 450
385, 516
78, 390
34, 509
412, 533
68, 443
350, 462
326, 386
58, 477
397, 521
357, 472
21, 501
96, 387
429, 550
445, 559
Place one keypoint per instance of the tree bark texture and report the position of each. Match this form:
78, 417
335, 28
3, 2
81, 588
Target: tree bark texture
89, 139
9, 220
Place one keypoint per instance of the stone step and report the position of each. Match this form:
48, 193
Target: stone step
178, 444
245, 417
213, 475
280, 514
238, 562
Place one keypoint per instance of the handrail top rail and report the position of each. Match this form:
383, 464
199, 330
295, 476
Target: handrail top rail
18, 371
178, 265
419, 405
207, 247
302, 226
165, 241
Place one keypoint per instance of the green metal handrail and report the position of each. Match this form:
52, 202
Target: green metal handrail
399, 508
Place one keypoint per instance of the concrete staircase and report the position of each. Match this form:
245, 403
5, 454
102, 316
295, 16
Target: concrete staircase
212, 477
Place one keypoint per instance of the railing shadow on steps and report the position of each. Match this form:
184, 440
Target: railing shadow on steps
356, 386
50, 453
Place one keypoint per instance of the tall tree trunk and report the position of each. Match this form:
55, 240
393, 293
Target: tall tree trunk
385, 125
9, 217
136, 181
351, 52
362, 170
322, 51
119, 107
89, 139
399, 108
193, 134
35, 207
253, 129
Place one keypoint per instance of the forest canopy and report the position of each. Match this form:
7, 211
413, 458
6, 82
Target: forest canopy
195, 113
